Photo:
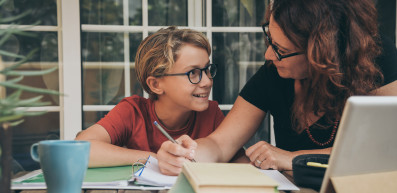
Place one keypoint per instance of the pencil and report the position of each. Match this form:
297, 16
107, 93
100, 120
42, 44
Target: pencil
166, 134
315, 164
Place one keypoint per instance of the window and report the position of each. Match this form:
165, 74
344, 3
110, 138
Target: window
94, 43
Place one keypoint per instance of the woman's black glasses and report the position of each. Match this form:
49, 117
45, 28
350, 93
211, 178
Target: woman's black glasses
196, 74
274, 47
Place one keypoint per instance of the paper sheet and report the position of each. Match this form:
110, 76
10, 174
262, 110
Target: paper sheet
151, 175
284, 183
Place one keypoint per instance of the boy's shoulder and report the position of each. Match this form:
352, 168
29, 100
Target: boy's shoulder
213, 103
213, 107
136, 100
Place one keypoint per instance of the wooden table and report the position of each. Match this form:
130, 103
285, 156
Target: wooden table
287, 174
99, 191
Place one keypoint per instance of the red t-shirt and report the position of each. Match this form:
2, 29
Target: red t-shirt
130, 124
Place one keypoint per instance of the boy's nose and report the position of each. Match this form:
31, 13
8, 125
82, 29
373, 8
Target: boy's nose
205, 80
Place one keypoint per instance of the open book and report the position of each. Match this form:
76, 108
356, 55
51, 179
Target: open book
150, 175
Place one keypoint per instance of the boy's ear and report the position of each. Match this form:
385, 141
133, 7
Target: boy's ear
154, 85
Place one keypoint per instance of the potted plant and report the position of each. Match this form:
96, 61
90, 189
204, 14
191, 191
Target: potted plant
13, 108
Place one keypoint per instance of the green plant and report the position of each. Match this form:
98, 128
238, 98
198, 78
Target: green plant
12, 107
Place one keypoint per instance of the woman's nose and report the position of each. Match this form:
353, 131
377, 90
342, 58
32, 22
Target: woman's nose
269, 54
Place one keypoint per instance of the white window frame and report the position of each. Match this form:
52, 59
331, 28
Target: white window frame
70, 68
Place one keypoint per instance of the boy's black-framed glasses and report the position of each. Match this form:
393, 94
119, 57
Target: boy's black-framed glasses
196, 74
274, 47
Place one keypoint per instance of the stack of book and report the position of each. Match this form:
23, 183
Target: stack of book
222, 177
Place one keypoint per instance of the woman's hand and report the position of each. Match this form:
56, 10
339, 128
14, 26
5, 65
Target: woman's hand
266, 156
171, 156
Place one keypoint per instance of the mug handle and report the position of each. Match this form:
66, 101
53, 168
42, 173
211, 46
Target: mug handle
34, 153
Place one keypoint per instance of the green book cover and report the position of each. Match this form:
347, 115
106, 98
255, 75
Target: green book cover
181, 185
106, 174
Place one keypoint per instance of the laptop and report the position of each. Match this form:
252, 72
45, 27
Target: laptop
366, 144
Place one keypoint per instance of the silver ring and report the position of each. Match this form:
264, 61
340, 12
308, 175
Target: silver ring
259, 162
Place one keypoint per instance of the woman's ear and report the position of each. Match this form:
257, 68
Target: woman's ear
154, 85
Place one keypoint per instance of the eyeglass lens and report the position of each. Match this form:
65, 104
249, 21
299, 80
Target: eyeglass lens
268, 42
195, 75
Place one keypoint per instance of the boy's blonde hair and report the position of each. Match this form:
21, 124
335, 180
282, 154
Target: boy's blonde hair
158, 52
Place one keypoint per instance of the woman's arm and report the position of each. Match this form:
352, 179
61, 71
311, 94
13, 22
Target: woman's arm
387, 90
234, 131
265, 156
103, 153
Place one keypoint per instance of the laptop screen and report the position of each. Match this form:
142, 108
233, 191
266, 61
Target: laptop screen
366, 141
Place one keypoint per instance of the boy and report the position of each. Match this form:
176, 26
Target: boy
173, 66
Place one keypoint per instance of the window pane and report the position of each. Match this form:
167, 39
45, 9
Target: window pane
135, 12
387, 21
45, 57
91, 117
46, 15
165, 13
105, 12
32, 130
103, 68
135, 40
238, 13
238, 56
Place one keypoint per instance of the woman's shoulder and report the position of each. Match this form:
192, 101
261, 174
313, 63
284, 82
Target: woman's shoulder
387, 60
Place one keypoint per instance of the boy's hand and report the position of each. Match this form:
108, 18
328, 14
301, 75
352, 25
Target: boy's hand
171, 156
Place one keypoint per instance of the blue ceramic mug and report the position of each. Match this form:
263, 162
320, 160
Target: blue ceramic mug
64, 164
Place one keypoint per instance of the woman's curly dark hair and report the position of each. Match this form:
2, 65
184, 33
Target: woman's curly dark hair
340, 40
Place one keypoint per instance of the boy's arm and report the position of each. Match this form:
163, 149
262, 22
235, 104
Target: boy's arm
103, 153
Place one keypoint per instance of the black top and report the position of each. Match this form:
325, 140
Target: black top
269, 92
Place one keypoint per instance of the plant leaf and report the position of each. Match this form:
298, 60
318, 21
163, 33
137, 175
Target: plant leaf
15, 123
2, 2
6, 53
34, 113
33, 104
19, 63
15, 95
29, 88
12, 81
17, 30
31, 73
5, 37
10, 118
14, 18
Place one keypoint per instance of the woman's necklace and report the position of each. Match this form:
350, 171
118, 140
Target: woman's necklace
330, 138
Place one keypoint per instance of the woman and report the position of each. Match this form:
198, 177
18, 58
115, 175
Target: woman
320, 52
